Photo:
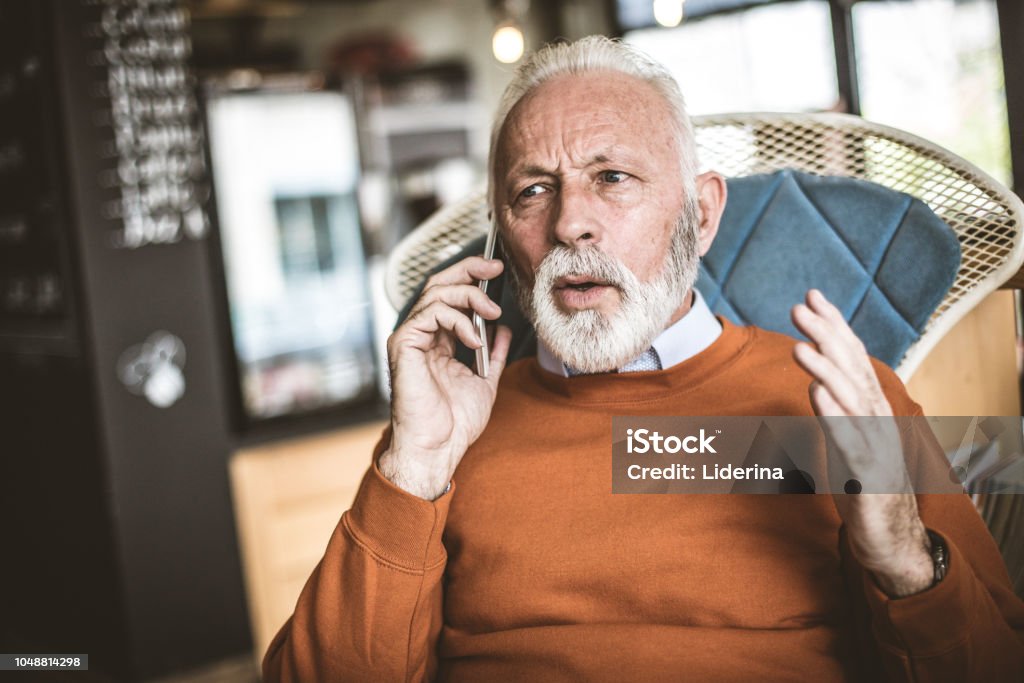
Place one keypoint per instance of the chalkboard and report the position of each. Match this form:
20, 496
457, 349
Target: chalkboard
146, 110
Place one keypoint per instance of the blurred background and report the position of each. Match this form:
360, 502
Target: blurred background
197, 200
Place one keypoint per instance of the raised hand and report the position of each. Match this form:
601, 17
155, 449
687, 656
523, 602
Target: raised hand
439, 406
885, 529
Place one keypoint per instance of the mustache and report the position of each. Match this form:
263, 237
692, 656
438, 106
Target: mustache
589, 262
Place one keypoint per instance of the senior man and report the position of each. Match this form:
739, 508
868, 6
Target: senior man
484, 543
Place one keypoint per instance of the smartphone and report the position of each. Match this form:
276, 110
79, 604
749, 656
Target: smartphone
492, 249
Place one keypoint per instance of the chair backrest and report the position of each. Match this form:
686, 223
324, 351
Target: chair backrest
881, 256
985, 216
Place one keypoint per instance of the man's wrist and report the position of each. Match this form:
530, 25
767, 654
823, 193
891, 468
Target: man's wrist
916, 572
410, 475
914, 576
924, 575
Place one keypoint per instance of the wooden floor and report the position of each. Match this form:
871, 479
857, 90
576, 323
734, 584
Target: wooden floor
238, 670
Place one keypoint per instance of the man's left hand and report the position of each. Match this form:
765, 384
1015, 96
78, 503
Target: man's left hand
885, 529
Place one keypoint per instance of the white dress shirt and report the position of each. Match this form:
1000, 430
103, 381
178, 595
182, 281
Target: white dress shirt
685, 338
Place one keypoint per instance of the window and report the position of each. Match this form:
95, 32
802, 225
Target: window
285, 165
929, 67
773, 58
934, 68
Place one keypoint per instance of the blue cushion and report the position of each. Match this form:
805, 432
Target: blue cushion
881, 256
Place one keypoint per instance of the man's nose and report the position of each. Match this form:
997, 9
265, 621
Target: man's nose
575, 222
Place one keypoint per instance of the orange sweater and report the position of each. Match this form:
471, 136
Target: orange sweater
529, 569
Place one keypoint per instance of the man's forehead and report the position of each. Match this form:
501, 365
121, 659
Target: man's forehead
582, 98
600, 115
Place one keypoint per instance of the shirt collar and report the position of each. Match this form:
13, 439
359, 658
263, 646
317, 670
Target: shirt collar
685, 338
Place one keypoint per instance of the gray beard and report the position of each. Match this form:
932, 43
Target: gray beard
589, 341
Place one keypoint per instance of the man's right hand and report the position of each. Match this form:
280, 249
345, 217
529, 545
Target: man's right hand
438, 405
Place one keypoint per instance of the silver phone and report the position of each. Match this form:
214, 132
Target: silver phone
483, 354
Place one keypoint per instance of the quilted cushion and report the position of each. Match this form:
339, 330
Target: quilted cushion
882, 257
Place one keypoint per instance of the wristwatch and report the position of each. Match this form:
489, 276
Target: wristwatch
940, 556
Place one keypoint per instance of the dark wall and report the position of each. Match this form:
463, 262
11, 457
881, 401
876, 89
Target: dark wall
120, 505
59, 588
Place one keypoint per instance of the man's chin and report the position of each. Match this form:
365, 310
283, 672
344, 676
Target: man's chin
590, 345
592, 340
591, 363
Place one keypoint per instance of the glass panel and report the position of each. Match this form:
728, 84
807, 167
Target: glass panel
640, 13
285, 167
934, 68
740, 61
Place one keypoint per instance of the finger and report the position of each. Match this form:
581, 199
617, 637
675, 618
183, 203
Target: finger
821, 330
838, 426
856, 428
830, 376
466, 271
837, 341
468, 297
439, 316
844, 347
499, 353
820, 304
823, 401
846, 432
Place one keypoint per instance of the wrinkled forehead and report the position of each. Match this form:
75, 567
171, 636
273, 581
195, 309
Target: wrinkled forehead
573, 119
592, 99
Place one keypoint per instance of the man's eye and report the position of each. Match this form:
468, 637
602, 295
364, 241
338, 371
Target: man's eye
532, 191
613, 176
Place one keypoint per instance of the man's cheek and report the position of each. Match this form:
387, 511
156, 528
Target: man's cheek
523, 252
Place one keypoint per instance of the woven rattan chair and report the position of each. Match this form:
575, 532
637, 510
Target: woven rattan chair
985, 215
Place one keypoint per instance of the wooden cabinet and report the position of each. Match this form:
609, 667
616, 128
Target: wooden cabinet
973, 370
288, 498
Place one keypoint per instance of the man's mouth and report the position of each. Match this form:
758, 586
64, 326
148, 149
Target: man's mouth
578, 292
580, 283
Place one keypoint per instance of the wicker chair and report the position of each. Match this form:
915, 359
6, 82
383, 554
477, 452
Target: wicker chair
985, 215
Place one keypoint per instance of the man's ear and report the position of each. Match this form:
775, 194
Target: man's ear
711, 195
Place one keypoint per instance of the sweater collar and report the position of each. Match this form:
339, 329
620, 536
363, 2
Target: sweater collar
685, 338
634, 388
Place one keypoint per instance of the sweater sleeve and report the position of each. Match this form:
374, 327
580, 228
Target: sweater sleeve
968, 627
371, 610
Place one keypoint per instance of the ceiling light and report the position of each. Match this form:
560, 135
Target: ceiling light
507, 43
668, 13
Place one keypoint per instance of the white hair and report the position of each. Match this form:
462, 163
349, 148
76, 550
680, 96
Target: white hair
587, 55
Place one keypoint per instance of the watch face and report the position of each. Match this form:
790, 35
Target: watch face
940, 556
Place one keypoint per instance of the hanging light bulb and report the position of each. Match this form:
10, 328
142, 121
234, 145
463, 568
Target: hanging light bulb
668, 13
507, 43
